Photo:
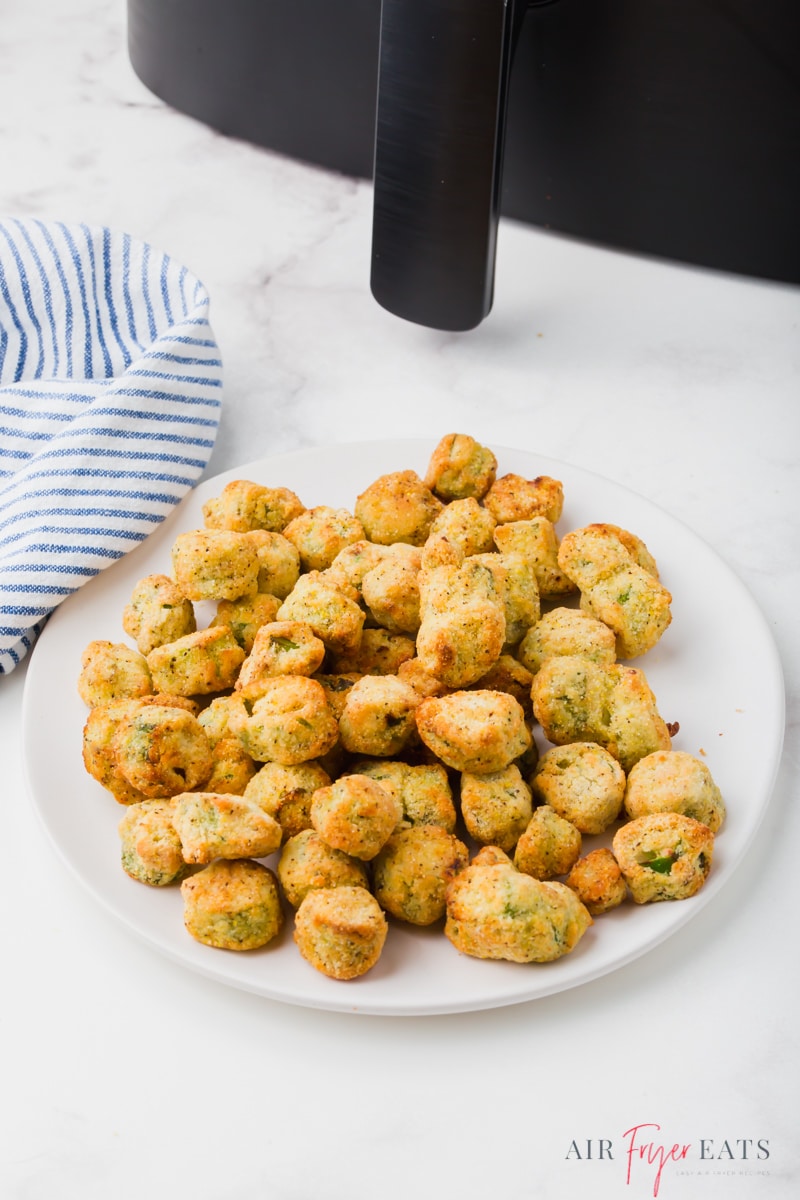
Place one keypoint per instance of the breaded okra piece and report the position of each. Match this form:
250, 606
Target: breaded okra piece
495, 911
576, 700
615, 589
460, 467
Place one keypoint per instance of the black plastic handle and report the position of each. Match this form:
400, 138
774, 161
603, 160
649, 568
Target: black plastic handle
442, 86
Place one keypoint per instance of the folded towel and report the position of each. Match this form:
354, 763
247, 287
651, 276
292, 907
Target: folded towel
110, 392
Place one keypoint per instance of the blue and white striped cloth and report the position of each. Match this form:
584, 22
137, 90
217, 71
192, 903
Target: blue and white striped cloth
110, 393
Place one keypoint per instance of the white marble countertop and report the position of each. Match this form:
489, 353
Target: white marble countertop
122, 1072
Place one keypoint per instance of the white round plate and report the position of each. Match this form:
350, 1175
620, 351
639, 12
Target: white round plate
715, 671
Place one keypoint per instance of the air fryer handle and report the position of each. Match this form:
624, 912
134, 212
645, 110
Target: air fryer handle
442, 84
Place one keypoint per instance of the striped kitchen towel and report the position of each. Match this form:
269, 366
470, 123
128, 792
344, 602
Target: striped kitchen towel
110, 392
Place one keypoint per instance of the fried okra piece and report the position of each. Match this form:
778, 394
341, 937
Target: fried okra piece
280, 648
307, 863
158, 612
514, 498
334, 615
286, 793
379, 653
378, 716
633, 544
213, 825
356, 814
549, 846
516, 582
615, 589
150, 847
474, 731
291, 722
567, 631
232, 904
674, 781
536, 541
412, 871
423, 790
598, 882
391, 593
197, 664
340, 931
496, 807
112, 671
99, 754
245, 617
495, 911
460, 468
215, 564
583, 783
466, 525
397, 507
99, 751
278, 562
232, 768
162, 751
320, 533
575, 700
663, 856
352, 563
243, 505
463, 625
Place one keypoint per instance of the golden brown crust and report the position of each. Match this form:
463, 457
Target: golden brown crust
497, 912
291, 721
598, 882
583, 782
356, 814
278, 562
413, 869
460, 467
245, 617
198, 664
150, 847
243, 505
340, 931
286, 793
214, 825
474, 731
536, 540
111, 671
320, 533
513, 498
378, 716
615, 589
158, 612
496, 807
232, 905
308, 863
674, 781
576, 700
162, 751
379, 653
334, 616
549, 846
663, 856
215, 564
280, 648
569, 631
397, 507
